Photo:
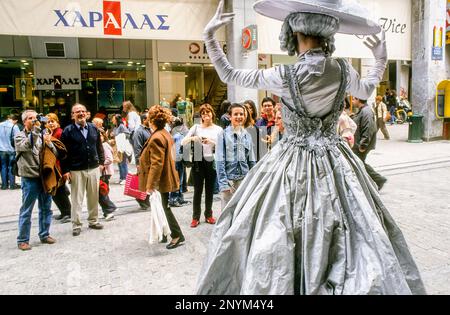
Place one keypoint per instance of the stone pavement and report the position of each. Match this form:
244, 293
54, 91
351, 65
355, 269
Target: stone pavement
119, 260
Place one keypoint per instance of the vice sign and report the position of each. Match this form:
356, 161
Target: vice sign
113, 20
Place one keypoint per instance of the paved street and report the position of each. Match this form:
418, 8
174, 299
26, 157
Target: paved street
118, 260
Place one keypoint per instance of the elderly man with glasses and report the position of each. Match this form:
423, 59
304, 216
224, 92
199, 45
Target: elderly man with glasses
83, 166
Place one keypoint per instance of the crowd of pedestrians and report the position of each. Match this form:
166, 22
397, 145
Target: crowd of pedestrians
215, 155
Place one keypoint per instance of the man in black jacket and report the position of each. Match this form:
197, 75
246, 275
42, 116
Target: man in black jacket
140, 137
82, 168
366, 138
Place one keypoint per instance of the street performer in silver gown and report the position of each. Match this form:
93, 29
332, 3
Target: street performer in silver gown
308, 219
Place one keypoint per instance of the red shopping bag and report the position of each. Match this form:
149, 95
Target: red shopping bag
104, 188
132, 188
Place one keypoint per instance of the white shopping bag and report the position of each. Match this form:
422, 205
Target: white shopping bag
123, 145
159, 226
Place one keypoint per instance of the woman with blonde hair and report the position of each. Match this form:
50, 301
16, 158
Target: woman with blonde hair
133, 118
346, 127
61, 198
98, 122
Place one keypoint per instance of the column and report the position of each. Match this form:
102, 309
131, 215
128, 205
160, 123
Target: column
245, 15
152, 74
427, 73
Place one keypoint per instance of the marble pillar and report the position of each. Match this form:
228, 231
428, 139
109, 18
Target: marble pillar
239, 59
427, 73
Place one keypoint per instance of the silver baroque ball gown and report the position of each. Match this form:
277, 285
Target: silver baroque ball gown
307, 219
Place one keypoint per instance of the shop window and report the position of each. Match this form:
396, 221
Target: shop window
181, 80
16, 87
108, 83
198, 82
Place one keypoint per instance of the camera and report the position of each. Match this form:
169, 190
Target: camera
41, 118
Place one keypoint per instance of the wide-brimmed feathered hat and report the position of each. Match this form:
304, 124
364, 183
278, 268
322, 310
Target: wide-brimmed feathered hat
353, 18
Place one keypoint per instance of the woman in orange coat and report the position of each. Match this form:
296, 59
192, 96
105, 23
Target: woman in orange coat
157, 168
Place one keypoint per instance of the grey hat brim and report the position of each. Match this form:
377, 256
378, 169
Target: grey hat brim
352, 18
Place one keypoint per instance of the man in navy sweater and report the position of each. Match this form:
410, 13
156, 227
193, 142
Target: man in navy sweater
83, 166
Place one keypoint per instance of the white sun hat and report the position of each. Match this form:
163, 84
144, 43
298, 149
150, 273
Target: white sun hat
353, 17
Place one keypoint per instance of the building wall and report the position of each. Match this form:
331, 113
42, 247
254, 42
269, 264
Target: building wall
427, 73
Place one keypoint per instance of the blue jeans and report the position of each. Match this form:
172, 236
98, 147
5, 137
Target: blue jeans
178, 195
32, 190
7, 176
123, 168
392, 112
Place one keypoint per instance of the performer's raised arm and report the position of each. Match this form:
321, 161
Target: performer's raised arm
254, 79
363, 88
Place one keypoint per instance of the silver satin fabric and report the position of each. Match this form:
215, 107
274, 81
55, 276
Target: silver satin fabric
308, 219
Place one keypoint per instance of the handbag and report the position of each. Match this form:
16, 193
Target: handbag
187, 162
132, 188
11, 137
159, 226
388, 117
103, 186
188, 155
14, 166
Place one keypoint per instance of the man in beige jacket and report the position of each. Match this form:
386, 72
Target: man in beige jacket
381, 112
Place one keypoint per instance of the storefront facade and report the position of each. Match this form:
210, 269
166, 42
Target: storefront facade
395, 18
100, 53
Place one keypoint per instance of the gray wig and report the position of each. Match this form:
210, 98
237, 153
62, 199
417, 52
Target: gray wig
309, 24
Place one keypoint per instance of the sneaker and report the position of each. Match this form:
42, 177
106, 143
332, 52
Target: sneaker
175, 204
24, 246
49, 240
195, 223
210, 220
58, 217
109, 217
122, 182
164, 239
65, 219
96, 226
76, 232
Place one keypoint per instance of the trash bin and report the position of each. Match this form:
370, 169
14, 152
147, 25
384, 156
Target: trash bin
415, 128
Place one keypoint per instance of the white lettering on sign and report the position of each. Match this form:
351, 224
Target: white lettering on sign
111, 20
70, 81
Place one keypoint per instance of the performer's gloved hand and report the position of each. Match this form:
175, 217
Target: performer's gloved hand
220, 19
377, 46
